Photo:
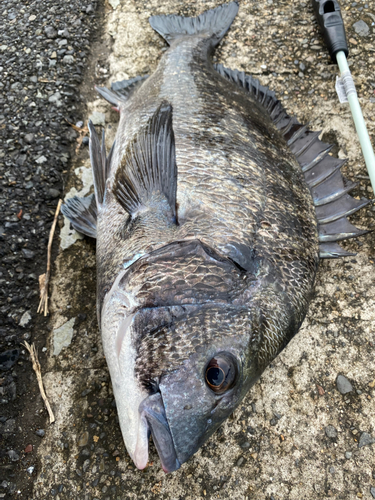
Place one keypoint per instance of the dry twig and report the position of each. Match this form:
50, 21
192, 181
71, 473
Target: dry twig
44, 278
38, 372
82, 132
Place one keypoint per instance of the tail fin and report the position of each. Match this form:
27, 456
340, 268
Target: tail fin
213, 23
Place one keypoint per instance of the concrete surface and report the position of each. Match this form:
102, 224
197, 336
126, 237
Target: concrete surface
276, 446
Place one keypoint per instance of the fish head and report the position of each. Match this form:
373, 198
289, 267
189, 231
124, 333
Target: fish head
181, 390
206, 379
179, 364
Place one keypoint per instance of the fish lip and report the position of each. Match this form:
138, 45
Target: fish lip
154, 421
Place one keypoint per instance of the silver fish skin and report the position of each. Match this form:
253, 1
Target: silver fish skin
207, 239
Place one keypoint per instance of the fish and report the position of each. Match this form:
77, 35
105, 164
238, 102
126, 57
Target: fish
211, 213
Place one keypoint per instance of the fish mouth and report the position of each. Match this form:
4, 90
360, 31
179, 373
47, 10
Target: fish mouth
153, 420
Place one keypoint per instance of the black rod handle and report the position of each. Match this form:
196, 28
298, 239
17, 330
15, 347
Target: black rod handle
328, 15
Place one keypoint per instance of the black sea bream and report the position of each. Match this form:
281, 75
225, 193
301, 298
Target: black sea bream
210, 213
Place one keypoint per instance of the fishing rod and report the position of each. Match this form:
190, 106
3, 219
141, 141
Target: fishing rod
329, 18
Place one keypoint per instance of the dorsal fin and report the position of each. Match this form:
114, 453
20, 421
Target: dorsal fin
149, 164
322, 172
100, 163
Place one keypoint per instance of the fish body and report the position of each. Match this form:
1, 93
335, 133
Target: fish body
208, 238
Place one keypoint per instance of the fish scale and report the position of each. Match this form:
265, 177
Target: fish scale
210, 213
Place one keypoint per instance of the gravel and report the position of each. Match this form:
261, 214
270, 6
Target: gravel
8, 358
343, 385
361, 28
39, 89
365, 440
331, 432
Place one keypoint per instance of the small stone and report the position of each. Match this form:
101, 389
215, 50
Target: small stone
98, 118
83, 439
29, 138
9, 426
361, 28
29, 448
240, 461
245, 445
40, 160
365, 440
343, 384
55, 98
86, 141
8, 358
53, 193
372, 491
321, 391
348, 455
62, 337
302, 67
28, 254
40, 432
331, 432
25, 318
32, 18
68, 59
53, 55
30, 470
13, 455
114, 3
65, 33
50, 32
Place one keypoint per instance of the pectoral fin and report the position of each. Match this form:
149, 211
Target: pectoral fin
149, 165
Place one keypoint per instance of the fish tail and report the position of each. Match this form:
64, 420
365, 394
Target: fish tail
213, 24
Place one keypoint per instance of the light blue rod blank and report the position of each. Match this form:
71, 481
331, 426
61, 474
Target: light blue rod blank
359, 122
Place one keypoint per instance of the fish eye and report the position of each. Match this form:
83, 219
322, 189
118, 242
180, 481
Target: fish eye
221, 373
